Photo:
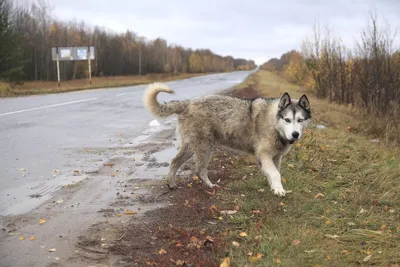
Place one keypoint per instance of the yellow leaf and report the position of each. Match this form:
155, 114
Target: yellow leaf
345, 252
21, 237
328, 222
329, 258
52, 250
226, 262
319, 195
383, 227
195, 178
42, 221
284, 180
118, 214
235, 244
367, 258
296, 242
281, 204
189, 185
255, 258
277, 260
243, 234
180, 263
128, 212
162, 252
220, 218
32, 237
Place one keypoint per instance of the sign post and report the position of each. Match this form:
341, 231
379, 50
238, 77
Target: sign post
89, 66
58, 68
72, 54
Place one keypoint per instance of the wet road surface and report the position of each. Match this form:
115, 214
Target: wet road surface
43, 138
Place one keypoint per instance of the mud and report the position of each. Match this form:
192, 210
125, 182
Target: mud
116, 210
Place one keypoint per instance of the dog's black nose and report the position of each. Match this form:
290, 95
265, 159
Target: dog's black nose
295, 135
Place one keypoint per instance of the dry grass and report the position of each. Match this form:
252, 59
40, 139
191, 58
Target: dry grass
38, 87
354, 222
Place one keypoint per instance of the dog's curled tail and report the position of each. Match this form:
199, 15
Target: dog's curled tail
162, 110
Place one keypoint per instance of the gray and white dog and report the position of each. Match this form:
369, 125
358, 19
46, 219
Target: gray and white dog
263, 127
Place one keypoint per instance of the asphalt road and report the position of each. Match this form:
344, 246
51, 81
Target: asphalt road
41, 137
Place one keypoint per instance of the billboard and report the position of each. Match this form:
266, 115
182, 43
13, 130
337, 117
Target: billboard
72, 53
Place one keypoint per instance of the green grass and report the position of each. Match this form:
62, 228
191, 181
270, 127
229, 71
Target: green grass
357, 216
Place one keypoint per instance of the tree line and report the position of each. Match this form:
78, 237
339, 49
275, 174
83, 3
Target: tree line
367, 76
28, 34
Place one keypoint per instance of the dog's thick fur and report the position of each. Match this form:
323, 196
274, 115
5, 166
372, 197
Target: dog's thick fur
260, 127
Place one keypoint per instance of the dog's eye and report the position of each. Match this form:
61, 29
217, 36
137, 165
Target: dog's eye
300, 120
287, 120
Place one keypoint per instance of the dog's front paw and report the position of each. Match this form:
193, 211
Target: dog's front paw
279, 191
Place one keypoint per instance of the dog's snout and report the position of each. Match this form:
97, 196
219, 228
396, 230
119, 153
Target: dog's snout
295, 135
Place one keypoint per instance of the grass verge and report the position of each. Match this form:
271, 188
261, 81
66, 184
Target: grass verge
343, 211
38, 87
344, 207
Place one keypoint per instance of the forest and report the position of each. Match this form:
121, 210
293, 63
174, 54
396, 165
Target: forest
29, 33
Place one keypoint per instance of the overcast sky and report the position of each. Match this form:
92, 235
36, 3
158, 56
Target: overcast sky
252, 29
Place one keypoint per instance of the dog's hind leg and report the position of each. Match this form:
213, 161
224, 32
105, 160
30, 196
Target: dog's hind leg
183, 155
203, 154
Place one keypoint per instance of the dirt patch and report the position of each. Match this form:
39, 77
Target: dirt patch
249, 92
190, 229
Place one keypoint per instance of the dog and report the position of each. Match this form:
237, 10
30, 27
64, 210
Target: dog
264, 127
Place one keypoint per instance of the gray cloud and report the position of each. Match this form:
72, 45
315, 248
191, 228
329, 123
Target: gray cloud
253, 29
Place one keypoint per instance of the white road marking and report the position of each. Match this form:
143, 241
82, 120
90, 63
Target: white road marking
48, 106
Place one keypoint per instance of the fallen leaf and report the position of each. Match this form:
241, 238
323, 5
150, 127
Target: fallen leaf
243, 234
128, 212
244, 177
42, 221
277, 261
281, 204
32, 237
392, 211
179, 245
351, 224
162, 252
220, 218
290, 165
21, 237
113, 175
328, 258
331, 236
108, 164
195, 178
367, 258
328, 222
226, 262
235, 244
256, 211
256, 258
180, 263
383, 227
296, 242
118, 214
345, 252
228, 212
52, 250
250, 253
262, 190
309, 251
319, 195
284, 180
76, 171
363, 211
189, 185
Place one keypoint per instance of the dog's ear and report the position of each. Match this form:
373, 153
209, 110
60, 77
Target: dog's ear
304, 102
284, 101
